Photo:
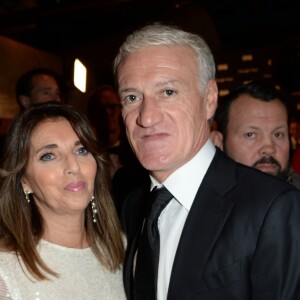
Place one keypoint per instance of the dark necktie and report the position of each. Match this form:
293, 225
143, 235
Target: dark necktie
145, 279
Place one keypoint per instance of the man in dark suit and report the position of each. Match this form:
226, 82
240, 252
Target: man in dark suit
228, 231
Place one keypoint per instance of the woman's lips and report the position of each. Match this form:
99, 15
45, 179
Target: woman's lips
75, 186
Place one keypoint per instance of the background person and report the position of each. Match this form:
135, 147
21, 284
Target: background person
104, 113
294, 128
37, 86
229, 231
59, 234
254, 127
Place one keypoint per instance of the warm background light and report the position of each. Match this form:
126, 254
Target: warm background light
80, 75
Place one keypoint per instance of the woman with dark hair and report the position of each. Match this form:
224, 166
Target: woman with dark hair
59, 234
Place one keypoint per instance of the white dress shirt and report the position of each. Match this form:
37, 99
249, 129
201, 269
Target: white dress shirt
183, 184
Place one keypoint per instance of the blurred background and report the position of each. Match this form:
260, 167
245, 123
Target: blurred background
251, 40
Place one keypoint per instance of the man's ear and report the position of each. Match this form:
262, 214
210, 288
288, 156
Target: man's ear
217, 138
211, 94
25, 101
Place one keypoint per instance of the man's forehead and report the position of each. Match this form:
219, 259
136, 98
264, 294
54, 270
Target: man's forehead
251, 105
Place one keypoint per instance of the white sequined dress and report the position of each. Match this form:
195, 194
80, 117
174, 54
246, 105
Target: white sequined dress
81, 276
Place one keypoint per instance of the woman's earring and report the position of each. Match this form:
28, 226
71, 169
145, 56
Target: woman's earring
94, 209
27, 196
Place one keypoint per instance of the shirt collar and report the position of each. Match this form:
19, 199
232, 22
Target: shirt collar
184, 183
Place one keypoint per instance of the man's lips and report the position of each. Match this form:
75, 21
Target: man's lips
267, 167
267, 163
75, 186
154, 136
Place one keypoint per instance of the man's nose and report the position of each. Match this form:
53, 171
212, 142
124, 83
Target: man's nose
268, 146
150, 112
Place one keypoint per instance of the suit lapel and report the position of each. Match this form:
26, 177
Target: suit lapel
128, 266
205, 221
134, 210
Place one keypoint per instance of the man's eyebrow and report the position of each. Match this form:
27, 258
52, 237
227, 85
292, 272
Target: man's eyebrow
283, 126
126, 90
165, 82
158, 84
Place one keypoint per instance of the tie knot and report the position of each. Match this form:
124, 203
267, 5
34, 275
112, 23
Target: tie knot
160, 198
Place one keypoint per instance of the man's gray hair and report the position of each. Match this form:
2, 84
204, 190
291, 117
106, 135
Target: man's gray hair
157, 35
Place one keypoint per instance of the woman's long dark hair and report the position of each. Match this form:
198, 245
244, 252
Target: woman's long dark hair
21, 224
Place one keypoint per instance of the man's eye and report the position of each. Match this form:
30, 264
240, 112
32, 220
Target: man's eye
130, 98
250, 134
279, 134
47, 156
169, 92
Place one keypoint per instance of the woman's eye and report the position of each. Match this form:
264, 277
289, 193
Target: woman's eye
47, 156
82, 151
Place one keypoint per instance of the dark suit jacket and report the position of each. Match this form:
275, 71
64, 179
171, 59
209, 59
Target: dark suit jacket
241, 239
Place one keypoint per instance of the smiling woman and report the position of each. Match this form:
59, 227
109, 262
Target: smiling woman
59, 235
